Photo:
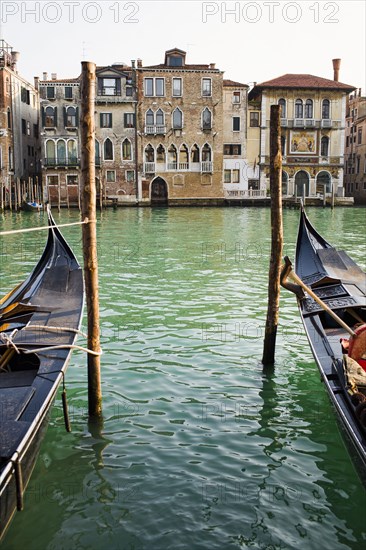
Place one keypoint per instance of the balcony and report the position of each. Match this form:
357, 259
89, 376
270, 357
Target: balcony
156, 129
156, 167
62, 163
326, 123
245, 193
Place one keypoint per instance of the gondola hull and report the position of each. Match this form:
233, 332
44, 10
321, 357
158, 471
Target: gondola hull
39, 321
341, 286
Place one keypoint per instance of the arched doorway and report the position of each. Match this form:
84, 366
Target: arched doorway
301, 182
323, 178
159, 192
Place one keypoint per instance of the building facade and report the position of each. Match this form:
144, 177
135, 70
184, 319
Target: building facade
236, 170
312, 132
355, 151
180, 121
19, 130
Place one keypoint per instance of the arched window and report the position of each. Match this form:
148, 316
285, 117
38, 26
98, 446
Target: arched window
61, 151
108, 149
324, 146
49, 117
159, 117
177, 119
149, 153
283, 145
183, 154
326, 109
206, 119
70, 121
126, 150
195, 153
160, 153
206, 153
149, 117
72, 151
97, 153
282, 104
309, 108
172, 155
298, 108
50, 152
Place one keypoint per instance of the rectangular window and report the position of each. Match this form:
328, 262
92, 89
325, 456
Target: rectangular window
52, 180
109, 86
206, 87
149, 86
130, 176
236, 124
72, 179
177, 87
129, 91
35, 130
236, 97
68, 92
227, 176
129, 120
154, 87
106, 120
254, 119
50, 92
111, 176
236, 176
159, 87
232, 149
359, 136
24, 126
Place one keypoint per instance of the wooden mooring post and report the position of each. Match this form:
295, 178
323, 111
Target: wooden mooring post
277, 238
88, 210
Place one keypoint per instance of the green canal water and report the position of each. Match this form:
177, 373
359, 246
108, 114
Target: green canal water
199, 448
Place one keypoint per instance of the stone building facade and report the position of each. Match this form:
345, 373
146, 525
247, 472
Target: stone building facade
19, 129
355, 150
59, 104
180, 121
312, 131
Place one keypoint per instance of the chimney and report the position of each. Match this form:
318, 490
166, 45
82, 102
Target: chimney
336, 67
133, 64
14, 60
36, 82
45, 76
359, 92
54, 76
212, 65
139, 63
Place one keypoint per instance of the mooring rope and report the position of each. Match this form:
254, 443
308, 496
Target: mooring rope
8, 340
43, 227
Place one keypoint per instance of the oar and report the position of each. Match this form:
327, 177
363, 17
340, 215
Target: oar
289, 272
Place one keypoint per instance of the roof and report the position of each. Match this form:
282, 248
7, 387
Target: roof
61, 81
184, 67
234, 84
301, 81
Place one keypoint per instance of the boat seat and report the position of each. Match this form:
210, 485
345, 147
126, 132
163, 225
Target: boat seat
13, 402
12, 432
17, 379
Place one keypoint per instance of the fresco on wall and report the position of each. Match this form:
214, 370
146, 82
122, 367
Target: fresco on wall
303, 142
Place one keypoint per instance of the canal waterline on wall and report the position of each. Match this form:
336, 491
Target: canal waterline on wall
199, 448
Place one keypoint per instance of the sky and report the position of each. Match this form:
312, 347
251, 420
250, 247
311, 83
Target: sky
251, 41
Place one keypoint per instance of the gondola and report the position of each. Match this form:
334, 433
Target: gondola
39, 321
331, 293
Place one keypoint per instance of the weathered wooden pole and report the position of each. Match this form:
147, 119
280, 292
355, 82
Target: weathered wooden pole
88, 210
277, 238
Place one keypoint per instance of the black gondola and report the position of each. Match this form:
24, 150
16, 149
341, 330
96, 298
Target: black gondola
328, 278
39, 321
